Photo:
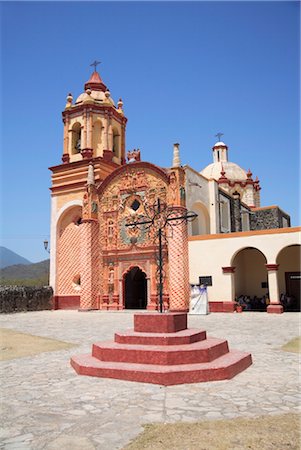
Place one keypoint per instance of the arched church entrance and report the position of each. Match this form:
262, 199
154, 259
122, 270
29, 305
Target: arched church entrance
135, 289
251, 279
289, 277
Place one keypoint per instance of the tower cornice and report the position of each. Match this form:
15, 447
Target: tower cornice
105, 109
83, 162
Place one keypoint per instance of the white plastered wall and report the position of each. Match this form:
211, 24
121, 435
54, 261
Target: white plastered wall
203, 192
209, 254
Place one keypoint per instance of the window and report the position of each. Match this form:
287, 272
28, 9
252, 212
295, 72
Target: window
76, 282
76, 138
110, 228
135, 205
225, 216
116, 137
245, 220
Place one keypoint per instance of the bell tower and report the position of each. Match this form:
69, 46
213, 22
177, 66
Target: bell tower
93, 125
94, 136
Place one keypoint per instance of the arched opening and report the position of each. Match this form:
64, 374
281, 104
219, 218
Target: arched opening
116, 142
68, 267
201, 224
76, 138
251, 279
135, 289
97, 138
289, 277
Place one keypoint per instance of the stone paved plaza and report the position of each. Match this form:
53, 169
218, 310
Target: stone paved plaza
46, 405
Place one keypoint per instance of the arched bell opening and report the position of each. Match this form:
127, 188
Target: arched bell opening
116, 142
76, 139
135, 289
97, 140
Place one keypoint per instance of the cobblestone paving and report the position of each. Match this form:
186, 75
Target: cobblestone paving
46, 405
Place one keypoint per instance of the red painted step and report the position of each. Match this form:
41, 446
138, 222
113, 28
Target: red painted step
150, 322
161, 350
223, 368
187, 336
197, 352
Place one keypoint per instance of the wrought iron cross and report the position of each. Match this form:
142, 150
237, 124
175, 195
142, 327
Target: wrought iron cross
95, 64
159, 217
218, 135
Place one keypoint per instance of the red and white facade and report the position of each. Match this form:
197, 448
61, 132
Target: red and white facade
98, 262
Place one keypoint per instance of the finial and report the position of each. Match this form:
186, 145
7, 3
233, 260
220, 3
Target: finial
219, 135
249, 174
223, 173
176, 156
95, 64
223, 178
107, 93
91, 179
69, 100
120, 103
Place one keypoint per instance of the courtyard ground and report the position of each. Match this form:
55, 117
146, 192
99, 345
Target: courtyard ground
46, 405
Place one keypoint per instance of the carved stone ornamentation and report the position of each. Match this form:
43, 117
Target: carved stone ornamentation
133, 155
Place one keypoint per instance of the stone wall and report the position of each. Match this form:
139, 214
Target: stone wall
268, 218
22, 298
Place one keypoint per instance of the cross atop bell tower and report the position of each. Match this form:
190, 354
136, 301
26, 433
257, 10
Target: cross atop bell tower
95, 64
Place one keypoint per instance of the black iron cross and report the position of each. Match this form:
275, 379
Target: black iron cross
161, 217
95, 64
218, 135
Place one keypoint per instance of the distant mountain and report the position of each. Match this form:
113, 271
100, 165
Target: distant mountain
9, 258
26, 275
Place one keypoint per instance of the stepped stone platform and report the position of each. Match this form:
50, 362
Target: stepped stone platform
162, 350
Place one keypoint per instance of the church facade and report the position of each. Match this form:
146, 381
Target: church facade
105, 221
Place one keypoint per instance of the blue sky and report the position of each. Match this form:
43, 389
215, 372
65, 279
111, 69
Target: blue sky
185, 71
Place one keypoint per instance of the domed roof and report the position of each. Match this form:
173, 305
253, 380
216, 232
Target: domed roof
97, 96
98, 91
219, 144
232, 171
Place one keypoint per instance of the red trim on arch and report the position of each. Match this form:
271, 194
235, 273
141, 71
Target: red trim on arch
230, 269
271, 267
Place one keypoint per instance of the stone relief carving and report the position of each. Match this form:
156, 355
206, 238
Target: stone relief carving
125, 200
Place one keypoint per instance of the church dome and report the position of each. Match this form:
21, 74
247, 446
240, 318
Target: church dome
221, 167
232, 171
97, 96
95, 91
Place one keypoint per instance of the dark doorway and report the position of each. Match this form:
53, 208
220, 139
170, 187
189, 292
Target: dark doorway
135, 289
292, 281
